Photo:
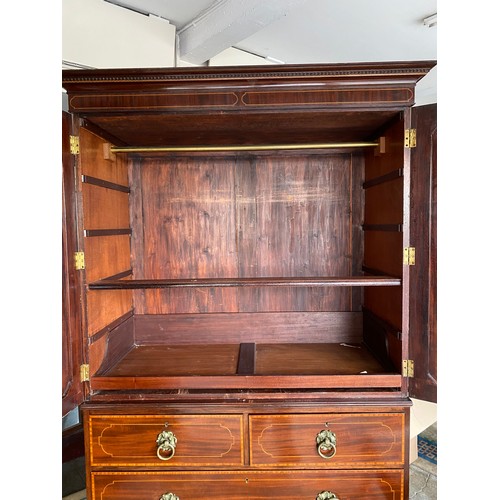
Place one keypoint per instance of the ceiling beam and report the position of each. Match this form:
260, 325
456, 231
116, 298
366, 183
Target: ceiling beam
227, 22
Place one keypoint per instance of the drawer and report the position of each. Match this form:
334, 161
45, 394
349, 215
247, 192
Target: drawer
195, 440
335, 441
299, 485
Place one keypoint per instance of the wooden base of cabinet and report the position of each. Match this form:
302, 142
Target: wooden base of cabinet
247, 451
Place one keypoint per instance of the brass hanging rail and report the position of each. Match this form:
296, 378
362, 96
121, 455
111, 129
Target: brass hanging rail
262, 147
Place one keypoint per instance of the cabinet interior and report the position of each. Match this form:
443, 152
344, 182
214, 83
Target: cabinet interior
265, 269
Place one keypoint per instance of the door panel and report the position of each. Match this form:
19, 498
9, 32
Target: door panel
423, 236
72, 393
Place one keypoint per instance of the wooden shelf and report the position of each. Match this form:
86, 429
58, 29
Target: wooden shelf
246, 366
135, 284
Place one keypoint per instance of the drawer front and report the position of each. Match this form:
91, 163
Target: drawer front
299, 485
333, 441
199, 440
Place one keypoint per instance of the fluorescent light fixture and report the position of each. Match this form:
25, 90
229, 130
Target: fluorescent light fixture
431, 21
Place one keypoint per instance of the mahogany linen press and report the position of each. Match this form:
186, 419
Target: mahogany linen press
249, 268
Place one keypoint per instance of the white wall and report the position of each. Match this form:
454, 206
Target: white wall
98, 34
426, 89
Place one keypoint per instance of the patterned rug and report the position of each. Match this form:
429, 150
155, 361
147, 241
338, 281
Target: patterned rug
427, 449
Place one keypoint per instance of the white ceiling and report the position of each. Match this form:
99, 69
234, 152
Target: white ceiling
300, 31
234, 32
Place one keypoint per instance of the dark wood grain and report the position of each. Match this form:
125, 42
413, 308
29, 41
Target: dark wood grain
106, 232
307, 192
189, 227
255, 128
118, 338
136, 224
281, 485
383, 227
267, 327
383, 339
372, 440
356, 250
202, 440
71, 291
227, 382
315, 359
249, 298
279, 398
246, 360
206, 106
200, 360
237, 99
285, 208
423, 312
157, 77
87, 179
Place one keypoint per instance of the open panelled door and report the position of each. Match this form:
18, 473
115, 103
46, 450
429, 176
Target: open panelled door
423, 292
72, 344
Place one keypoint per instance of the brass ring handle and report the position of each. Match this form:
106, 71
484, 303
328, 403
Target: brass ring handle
166, 442
326, 441
326, 495
166, 448
169, 496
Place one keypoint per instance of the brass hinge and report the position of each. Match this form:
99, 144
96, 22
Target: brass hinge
409, 256
74, 144
79, 261
84, 373
411, 138
408, 368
